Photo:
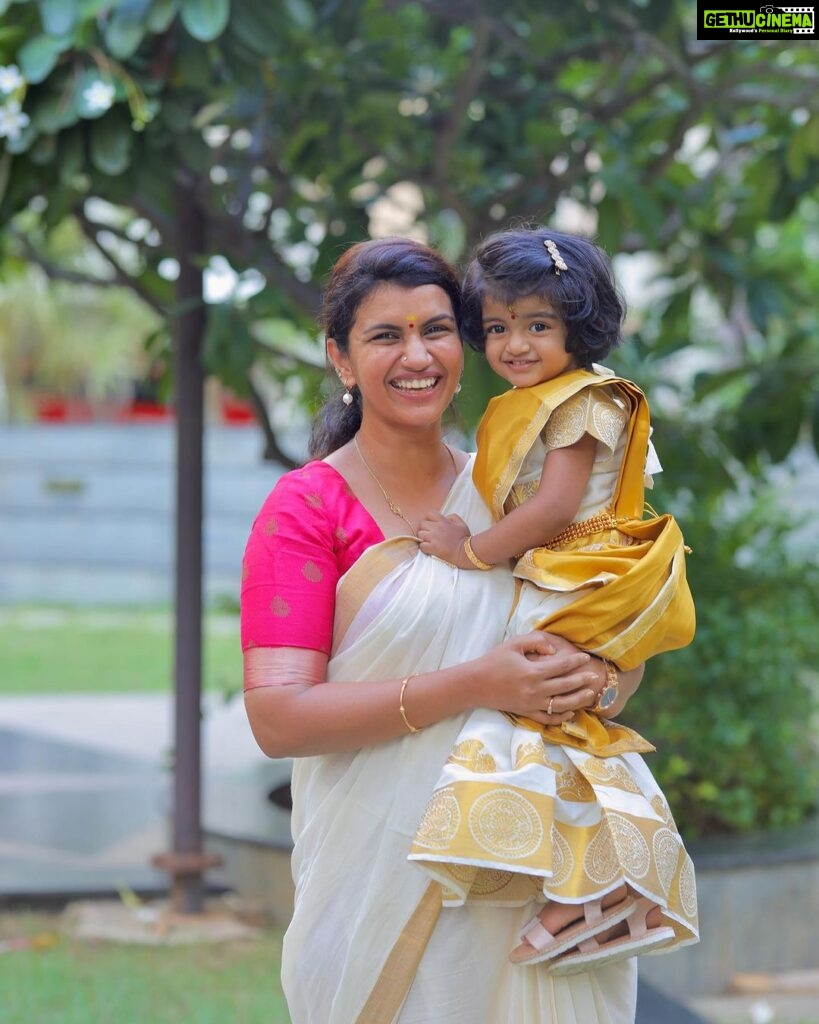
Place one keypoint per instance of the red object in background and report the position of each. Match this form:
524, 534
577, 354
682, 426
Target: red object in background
53, 409
56, 409
236, 410
145, 412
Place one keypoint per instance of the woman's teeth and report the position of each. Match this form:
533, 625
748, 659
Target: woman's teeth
415, 385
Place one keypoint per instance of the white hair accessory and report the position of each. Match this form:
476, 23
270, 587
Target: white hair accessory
554, 252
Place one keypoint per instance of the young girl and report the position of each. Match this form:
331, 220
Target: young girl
568, 811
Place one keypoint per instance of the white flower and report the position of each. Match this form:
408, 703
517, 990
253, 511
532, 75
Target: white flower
12, 120
98, 96
10, 79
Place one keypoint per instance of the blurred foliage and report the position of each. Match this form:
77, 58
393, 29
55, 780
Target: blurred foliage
71, 340
305, 125
734, 715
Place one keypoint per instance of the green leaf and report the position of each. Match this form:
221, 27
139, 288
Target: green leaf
162, 14
44, 150
205, 19
126, 27
92, 8
71, 155
815, 422
5, 169
803, 144
110, 146
54, 107
254, 23
58, 16
38, 56
301, 13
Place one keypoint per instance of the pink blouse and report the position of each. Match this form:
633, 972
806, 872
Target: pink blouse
309, 532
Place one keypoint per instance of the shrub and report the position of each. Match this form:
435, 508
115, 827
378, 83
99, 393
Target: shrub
732, 715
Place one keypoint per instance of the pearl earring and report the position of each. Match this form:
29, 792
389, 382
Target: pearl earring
458, 388
347, 398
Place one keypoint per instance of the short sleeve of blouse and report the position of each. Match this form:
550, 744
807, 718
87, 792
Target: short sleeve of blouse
308, 533
594, 411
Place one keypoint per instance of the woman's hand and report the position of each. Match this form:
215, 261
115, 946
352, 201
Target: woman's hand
555, 680
537, 675
293, 712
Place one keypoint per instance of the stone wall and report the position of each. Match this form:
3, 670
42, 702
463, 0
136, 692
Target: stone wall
87, 511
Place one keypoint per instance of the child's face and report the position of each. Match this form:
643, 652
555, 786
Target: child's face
525, 341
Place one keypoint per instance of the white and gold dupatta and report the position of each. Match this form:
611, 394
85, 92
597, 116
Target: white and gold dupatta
368, 942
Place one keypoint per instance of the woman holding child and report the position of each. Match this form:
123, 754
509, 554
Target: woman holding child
364, 659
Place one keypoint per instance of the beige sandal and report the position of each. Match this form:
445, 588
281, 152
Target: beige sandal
640, 939
539, 944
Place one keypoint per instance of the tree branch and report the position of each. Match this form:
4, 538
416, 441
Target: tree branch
121, 276
272, 451
53, 270
465, 90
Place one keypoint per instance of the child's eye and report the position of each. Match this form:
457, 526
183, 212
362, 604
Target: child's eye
540, 326
494, 329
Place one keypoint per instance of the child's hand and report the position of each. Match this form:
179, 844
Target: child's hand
443, 536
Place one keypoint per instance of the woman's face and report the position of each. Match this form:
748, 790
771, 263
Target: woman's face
404, 354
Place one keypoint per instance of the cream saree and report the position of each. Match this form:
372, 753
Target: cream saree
370, 941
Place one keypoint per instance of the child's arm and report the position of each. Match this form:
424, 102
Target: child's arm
565, 476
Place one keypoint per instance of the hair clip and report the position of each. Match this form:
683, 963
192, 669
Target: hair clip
554, 252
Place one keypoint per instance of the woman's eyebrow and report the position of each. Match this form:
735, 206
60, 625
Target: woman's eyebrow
397, 327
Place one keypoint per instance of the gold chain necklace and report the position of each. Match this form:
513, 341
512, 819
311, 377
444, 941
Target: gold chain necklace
393, 507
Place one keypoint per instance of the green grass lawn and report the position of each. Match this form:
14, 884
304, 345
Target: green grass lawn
76, 982
50, 650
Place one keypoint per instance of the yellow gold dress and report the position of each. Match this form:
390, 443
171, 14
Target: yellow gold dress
523, 811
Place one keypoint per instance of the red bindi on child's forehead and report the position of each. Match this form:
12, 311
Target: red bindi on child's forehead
512, 312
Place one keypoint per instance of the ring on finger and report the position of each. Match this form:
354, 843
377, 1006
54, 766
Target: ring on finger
549, 709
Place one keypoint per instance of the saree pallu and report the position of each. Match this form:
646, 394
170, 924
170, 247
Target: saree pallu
370, 941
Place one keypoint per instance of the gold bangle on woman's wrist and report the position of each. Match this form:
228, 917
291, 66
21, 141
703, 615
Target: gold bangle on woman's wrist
473, 558
402, 709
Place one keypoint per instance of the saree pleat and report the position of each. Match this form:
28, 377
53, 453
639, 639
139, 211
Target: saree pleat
366, 942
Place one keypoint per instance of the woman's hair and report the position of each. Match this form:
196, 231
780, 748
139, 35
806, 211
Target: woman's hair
529, 261
357, 273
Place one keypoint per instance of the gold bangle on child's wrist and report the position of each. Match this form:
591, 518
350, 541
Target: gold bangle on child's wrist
473, 558
401, 707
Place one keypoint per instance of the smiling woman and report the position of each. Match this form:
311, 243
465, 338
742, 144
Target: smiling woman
363, 658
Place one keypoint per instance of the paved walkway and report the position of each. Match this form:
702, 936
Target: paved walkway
85, 799
85, 790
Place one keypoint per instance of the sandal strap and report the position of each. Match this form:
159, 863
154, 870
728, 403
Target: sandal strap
536, 935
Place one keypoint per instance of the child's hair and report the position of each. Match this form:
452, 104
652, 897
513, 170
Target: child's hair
512, 264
